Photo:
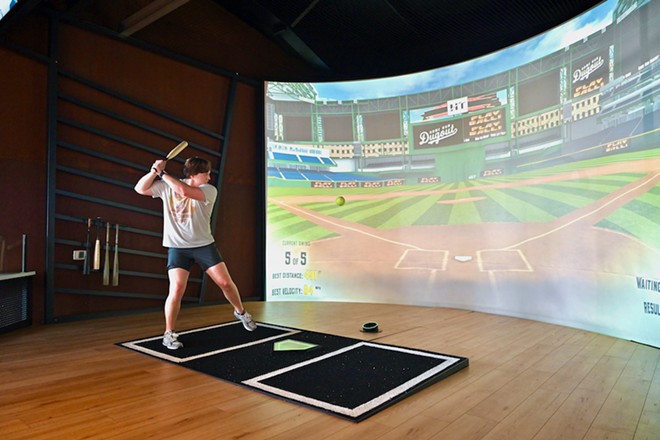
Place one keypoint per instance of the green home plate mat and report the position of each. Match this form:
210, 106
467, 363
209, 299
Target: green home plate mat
346, 377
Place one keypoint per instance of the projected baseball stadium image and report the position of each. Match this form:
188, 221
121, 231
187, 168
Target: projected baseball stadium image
525, 183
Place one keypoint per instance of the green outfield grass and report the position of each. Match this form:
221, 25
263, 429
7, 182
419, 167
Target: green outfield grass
639, 218
284, 225
487, 204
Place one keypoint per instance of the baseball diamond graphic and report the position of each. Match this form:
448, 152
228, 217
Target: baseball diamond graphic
514, 262
530, 189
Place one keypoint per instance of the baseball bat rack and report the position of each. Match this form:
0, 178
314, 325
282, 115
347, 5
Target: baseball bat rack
95, 255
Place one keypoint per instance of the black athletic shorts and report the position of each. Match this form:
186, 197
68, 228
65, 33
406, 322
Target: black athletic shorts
206, 256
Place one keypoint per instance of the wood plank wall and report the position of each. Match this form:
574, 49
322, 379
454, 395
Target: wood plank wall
104, 145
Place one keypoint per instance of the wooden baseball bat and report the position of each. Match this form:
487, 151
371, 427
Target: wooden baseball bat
106, 262
176, 150
115, 266
86, 261
97, 248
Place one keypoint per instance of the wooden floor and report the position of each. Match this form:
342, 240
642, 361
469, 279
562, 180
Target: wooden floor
526, 380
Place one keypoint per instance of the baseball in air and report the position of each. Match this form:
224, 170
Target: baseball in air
340, 200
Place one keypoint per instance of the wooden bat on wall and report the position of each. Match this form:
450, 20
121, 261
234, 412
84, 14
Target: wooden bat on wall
115, 266
86, 261
97, 248
106, 262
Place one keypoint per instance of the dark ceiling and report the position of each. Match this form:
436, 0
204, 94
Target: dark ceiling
319, 40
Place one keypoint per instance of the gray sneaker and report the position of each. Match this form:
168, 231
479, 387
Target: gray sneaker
170, 340
247, 320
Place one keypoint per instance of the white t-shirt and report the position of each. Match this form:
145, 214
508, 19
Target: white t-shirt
186, 222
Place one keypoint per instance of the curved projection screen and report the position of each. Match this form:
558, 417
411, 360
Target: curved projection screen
524, 183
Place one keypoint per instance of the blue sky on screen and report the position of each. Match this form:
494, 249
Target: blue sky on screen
529, 50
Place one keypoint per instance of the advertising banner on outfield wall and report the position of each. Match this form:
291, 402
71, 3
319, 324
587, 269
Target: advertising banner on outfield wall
557, 221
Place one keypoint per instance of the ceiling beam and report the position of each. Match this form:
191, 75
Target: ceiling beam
253, 13
305, 12
147, 15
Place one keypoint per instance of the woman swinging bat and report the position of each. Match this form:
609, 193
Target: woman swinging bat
187, 207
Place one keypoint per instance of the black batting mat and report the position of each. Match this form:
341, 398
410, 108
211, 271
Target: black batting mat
346, 377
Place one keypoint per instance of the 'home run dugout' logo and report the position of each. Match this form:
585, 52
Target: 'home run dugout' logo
477, 127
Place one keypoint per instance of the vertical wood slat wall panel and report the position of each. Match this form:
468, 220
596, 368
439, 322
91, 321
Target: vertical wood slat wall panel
105, 144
